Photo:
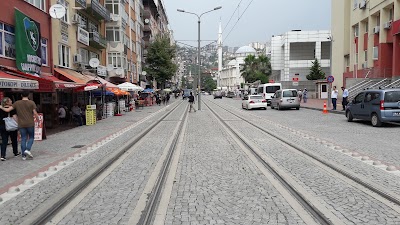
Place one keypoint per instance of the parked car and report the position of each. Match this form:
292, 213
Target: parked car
217, 94
285, 98
254, 102
230, 94
378, 106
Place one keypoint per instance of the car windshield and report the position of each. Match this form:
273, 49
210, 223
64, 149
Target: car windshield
256, 97
291, 93
392, 96
272, 89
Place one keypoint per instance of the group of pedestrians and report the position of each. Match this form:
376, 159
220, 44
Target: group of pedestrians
164, 98
303, 95
334, 97
23, 112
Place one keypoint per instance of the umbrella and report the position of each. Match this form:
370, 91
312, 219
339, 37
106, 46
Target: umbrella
148, 90
167, 90
129, 87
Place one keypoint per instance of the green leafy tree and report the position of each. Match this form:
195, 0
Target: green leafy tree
159, 63
209, 84
256, 69
316, 72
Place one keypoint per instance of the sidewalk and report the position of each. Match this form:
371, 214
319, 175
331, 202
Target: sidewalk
63, 144
318, 104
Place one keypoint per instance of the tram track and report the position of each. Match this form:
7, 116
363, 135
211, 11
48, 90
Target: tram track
54, 206
314, 210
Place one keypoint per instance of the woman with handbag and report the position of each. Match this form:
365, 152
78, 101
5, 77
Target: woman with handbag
12, 132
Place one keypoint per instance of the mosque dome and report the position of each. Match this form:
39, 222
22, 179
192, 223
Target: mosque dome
246, 50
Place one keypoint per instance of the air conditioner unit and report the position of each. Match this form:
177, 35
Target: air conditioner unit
376, 29
364, 65
388, 25
76, 19
77, 58
363, 4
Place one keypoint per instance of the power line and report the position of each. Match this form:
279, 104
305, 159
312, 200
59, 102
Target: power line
238, 19
232, 16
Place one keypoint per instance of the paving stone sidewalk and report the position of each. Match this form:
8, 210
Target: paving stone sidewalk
58, 147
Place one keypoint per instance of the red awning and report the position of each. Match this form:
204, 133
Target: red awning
44, 84
60, 84
10, 81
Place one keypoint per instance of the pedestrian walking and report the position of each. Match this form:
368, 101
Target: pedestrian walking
191, 102
300, 95
6, 103
77, 113
345, 97
334, 96
26, 111
167, 98
305, 95
61, 114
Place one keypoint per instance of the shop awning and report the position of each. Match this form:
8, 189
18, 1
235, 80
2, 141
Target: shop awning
73, 75
108, 85
44, 84
10, 81
60, 84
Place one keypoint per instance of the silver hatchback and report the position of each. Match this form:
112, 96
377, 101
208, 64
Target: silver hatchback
285, 99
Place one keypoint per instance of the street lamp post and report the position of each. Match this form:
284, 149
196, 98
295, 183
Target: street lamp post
198, 49
330, 65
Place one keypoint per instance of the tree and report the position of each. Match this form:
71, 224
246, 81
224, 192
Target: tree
209, 84
159, 63
256, 69
316, 72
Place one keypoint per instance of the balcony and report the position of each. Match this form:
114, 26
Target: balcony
81, 3
96, 40
98, 11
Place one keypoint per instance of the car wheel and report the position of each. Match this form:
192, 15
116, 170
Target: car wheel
349, 116
272, 107
265, 108
297, 108
376, 122
279, 107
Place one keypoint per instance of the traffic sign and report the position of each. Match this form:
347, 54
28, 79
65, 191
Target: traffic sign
295, 83
295, 79
330, 79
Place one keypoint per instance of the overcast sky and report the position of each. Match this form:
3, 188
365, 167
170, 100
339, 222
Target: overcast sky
261, 20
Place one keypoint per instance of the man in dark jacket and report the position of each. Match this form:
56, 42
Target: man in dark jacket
191, 102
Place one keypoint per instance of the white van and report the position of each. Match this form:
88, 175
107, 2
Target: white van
268, 90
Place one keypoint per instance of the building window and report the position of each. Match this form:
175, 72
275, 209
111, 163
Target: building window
63, 55
366, 27
94, 55
356, 59
44, 52
391, 14
132, 24
40, 4
85, 56
113, 6
115, 59
66, 16
366, 55
83, 23
356, 31
375, 54
7, 41
133, 48
355, 4
113, 34
93, 27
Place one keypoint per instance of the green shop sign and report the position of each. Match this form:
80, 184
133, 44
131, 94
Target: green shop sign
27, 44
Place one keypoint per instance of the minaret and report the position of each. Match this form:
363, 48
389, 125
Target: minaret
219, 55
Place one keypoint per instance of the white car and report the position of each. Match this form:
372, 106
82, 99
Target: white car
254, 102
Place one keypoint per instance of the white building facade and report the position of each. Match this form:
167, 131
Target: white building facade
292, 54
231, 77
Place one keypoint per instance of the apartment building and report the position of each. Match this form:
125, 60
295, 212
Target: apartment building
366, 39
78, 37
292, 54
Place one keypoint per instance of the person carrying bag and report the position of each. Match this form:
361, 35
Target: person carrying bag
8, 128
